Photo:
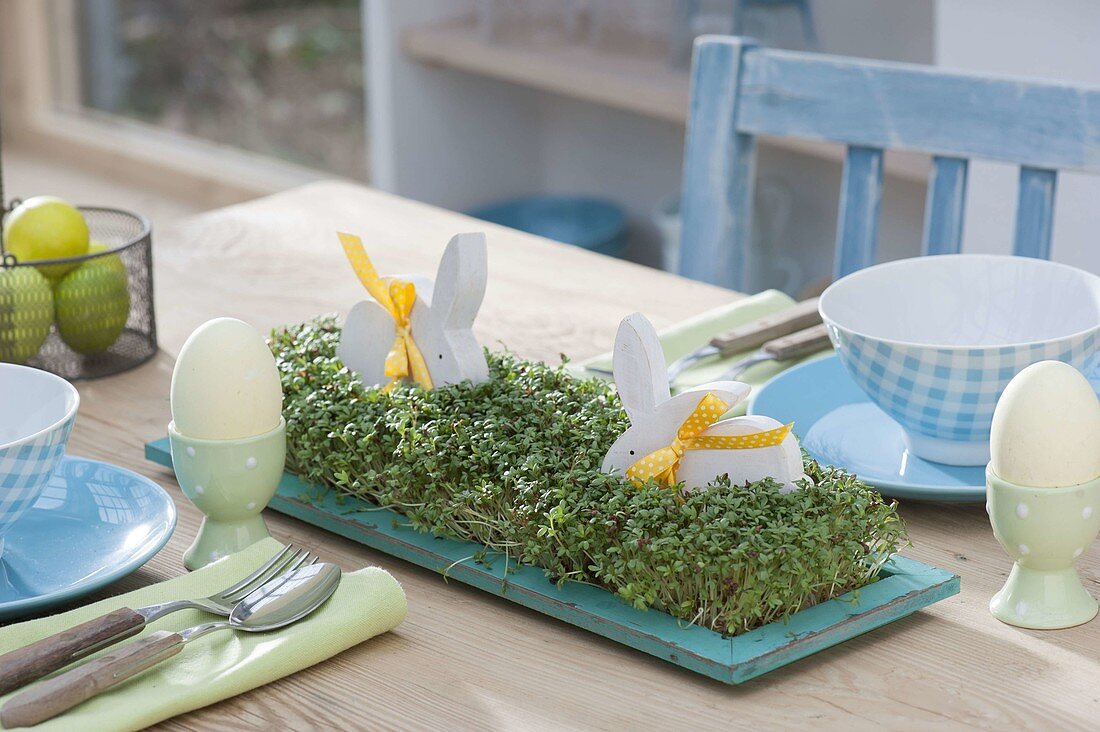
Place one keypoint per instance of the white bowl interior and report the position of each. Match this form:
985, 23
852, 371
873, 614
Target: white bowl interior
31, 401
965, 300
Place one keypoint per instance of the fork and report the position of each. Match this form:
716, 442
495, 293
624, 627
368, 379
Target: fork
31, 662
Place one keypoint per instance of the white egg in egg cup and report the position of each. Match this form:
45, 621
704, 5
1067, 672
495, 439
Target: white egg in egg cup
1043, 488
230, 481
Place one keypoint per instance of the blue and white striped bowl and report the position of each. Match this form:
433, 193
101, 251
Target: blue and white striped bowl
933, 341
37, 412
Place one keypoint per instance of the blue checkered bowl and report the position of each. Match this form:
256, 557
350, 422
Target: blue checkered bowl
934, 341
37, 411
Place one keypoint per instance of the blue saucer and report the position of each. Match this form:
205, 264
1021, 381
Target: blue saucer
839, 425
93, 524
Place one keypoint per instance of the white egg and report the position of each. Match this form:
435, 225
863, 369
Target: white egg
225, 385
1046, 428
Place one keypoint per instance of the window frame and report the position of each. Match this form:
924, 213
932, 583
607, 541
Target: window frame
40, 76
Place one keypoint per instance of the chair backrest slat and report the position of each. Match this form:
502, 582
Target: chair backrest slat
857, 223
722, 210
1035, 212
944, 207
919, 108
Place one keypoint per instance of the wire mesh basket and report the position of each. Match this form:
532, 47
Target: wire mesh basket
88, 316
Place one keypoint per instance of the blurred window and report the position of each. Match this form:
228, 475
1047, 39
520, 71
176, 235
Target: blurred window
282, 78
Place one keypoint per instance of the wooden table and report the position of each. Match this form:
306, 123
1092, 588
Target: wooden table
464, 659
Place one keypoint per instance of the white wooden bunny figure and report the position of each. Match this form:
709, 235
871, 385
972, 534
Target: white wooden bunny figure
414, 328
679, 438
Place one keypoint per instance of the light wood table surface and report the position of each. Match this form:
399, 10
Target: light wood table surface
464, 659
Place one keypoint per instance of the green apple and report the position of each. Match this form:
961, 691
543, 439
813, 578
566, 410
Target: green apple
26, 313
93, 303
113, 262
45, 227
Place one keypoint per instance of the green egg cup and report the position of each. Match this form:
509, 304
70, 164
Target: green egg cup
1045, 530
230, 481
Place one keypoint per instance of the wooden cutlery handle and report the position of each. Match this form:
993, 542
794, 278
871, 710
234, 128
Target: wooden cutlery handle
799, 344
760, 331
24, 665
61, 693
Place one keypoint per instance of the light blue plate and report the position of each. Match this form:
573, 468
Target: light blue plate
93, 524
839, 425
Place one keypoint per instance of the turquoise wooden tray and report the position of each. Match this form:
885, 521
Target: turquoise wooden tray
904, 587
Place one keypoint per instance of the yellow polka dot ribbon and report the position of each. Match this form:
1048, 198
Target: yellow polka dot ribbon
662, 464
397, 297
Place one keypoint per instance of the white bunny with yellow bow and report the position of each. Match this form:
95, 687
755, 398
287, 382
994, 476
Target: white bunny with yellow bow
680, 438
416, 329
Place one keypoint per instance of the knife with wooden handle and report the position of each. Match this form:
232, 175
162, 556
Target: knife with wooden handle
745, 337
755, 334
800, 316
797, 345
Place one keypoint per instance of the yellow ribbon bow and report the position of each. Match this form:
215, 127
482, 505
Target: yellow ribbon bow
397, 297
662, 464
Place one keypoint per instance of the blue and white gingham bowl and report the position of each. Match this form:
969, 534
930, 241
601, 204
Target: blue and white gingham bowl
934, 341
37, 411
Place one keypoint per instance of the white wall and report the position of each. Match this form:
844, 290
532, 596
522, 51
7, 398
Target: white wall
437, 135
895, 30
1055, 39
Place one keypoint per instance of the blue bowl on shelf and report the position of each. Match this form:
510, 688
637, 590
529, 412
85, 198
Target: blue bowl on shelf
595, 224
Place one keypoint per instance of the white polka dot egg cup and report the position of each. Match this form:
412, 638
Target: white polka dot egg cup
1043, 484
1045, 530
656, 417
230, 481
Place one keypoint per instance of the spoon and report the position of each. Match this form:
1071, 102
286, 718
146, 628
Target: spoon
275, 604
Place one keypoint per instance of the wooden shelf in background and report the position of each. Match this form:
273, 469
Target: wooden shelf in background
639, 84
635, 83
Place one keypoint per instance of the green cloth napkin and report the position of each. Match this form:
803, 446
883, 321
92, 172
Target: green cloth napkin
223, 664
684, 337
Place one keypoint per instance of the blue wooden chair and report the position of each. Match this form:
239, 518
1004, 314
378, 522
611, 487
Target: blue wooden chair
740, 90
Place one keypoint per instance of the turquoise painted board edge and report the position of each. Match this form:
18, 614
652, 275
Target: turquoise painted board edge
905, 587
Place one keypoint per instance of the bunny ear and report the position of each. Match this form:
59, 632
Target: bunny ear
639, 367
460, 282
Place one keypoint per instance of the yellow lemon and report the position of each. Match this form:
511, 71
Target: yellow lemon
45, 227
26, 313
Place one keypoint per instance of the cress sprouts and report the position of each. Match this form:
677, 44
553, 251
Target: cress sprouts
514, 464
